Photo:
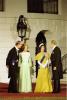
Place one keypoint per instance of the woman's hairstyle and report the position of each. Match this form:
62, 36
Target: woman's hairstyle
40, 46
23, 47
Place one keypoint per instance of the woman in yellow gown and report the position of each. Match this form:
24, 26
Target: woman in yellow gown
43, 81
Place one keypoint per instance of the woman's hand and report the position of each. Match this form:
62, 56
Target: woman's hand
47, 55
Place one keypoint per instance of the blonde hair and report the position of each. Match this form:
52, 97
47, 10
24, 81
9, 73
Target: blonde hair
54, 42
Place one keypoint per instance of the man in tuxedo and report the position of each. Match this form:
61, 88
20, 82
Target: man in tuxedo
12, 64
57, 69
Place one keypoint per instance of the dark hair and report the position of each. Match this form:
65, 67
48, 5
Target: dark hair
41, 47
18, 42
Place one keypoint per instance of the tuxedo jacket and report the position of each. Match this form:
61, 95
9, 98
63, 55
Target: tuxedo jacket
56, 62
12, 62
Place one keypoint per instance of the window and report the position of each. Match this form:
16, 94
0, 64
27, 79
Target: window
42, 6
35, 6
50, 6
1, 5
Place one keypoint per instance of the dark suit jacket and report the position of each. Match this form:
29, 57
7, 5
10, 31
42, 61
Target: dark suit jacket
56, 62
12, 62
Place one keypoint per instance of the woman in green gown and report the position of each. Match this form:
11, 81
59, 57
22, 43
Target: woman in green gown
25, 63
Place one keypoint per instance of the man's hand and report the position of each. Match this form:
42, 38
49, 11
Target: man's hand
17, 60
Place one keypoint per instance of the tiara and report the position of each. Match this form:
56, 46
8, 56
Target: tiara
41, 44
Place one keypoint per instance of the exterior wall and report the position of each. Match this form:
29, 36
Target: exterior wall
56, 24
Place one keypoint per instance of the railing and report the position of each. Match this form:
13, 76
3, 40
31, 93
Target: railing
64, 63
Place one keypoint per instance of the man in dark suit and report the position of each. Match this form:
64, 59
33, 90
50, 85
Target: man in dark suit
57, 69
12, 64
40, 39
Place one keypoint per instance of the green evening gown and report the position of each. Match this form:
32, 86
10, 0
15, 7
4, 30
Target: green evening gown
25, 63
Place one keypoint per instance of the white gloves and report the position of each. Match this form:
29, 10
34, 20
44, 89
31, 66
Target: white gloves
43, 65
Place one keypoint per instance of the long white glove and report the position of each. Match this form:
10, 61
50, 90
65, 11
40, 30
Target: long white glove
43, 65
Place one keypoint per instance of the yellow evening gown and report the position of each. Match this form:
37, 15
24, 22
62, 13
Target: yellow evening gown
43, 81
